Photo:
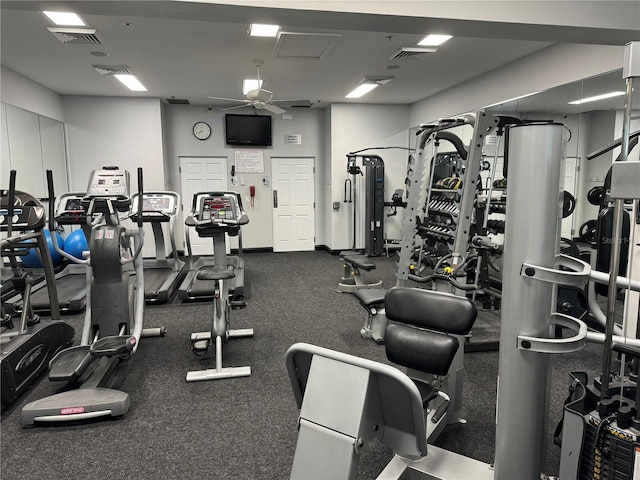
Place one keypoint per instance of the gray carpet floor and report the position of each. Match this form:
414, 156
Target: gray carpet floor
245, 428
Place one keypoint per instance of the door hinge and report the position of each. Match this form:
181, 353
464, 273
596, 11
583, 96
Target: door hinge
314, 204
314, 169
180, 170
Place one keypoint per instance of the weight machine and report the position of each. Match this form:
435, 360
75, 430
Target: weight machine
373, 200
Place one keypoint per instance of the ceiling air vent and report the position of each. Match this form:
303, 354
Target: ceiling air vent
177, 101
412, 53
378, 80
112, 69
79, 36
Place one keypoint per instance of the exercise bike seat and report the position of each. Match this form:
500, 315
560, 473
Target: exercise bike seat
113, 346
215, 274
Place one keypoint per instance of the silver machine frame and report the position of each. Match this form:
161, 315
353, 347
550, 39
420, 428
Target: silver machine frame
418, 193
532, 269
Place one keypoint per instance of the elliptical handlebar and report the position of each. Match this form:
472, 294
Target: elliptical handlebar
11, 200
52, 227
139, 233
141, 196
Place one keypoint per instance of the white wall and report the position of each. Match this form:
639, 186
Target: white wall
354, 127
121, 131
180, 142
23, 92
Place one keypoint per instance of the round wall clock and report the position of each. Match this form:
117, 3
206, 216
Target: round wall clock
202, 130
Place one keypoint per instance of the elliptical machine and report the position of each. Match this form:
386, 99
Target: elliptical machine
216, 214
115, 307
27, 348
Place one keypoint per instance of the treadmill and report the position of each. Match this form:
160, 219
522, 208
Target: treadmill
163, 273
194, 288
71, 281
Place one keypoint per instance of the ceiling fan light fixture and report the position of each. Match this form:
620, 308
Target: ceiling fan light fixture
249, 84
263, 30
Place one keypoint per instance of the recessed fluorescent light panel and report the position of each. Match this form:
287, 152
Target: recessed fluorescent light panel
262, 30
596, 98
249, 84
65, 19
361, 90
433, 40
131, 82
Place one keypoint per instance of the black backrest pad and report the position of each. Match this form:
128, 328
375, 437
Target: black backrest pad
429, 309
420, 349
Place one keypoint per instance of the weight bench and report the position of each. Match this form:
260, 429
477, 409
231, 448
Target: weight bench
375, 322
352, 280
346, 401
422, 335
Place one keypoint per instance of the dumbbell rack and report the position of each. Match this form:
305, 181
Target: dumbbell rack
447, 219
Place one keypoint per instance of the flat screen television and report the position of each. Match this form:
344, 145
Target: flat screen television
254, 130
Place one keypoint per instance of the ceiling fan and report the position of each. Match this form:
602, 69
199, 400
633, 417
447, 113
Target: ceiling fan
259, 98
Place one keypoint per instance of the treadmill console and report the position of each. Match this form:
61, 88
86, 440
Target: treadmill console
70, 209
223, 206
156, 206
110, 183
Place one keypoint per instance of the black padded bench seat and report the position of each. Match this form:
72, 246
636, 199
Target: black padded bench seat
351, 280
360, 261
371, 297
375, 321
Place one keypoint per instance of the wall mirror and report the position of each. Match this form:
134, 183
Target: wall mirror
31, 144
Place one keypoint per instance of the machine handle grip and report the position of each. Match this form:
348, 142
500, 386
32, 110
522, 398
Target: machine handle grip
141, 197
52, 197
11, 200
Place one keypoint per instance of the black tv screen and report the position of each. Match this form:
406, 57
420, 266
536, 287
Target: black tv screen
248, 129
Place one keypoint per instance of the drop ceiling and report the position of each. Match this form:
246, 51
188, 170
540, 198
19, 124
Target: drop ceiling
192, 50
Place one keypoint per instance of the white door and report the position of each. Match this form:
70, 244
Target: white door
293, 204
199, 174
569, 186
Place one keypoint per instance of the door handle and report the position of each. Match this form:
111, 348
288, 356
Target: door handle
275, 199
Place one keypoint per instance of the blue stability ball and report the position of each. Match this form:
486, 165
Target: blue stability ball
31, 260
76, 243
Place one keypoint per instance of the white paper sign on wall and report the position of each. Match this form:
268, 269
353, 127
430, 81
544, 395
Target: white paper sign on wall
293, 139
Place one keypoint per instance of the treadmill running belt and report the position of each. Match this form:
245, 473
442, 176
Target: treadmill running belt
154, 278
69, 288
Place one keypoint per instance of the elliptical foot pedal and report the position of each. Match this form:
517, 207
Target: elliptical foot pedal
69, 364
114, 346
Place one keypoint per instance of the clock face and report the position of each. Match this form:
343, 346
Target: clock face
202, 130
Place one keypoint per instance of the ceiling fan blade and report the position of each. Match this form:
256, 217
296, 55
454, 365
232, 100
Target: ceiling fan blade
228, 99
237, 106
274, 109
